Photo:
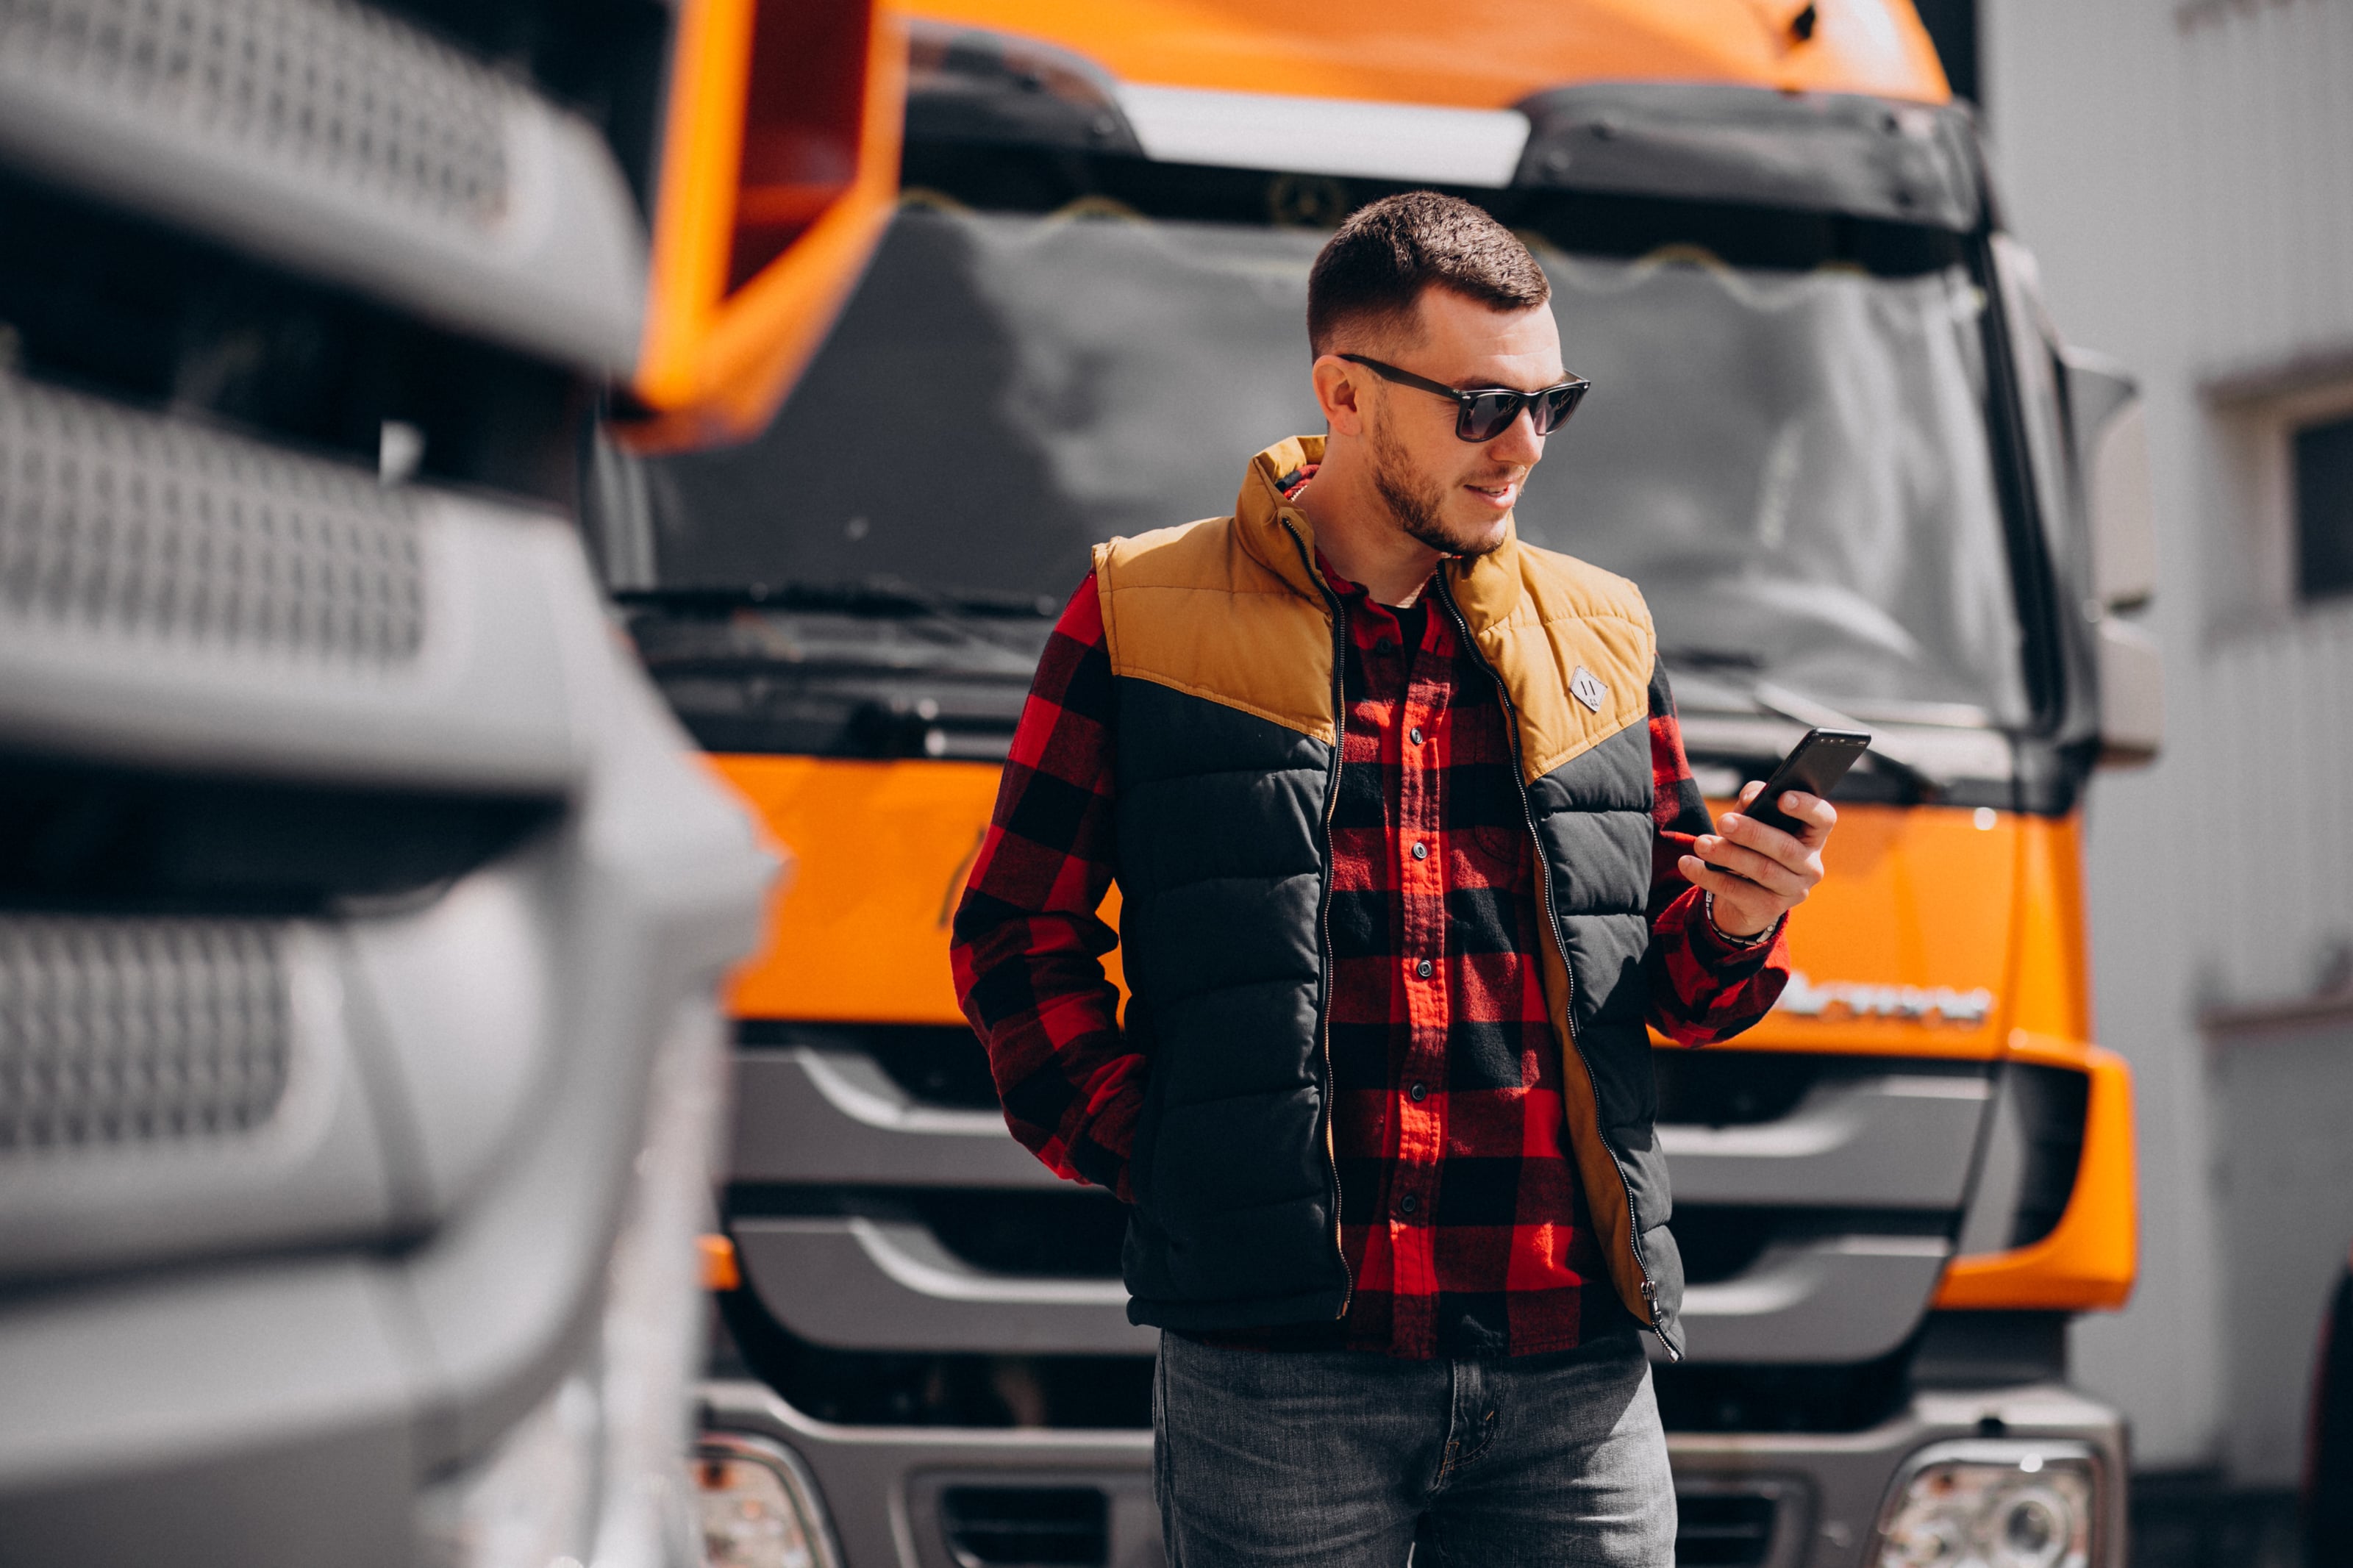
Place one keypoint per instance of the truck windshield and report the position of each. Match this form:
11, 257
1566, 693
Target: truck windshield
1790, 459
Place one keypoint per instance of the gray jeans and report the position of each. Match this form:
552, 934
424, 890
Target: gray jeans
1339, 1459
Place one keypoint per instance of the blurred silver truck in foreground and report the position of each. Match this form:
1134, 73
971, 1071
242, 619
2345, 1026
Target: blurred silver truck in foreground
361, 909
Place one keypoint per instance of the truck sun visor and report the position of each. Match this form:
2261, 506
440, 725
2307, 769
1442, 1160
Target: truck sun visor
1841, 153
965, 84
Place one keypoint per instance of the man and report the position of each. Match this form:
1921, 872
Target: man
1408, 855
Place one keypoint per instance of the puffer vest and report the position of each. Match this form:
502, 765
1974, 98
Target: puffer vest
1226, 652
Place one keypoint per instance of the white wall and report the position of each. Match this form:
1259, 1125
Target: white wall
2185, 174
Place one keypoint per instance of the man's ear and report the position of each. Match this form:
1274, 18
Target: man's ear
1338, 391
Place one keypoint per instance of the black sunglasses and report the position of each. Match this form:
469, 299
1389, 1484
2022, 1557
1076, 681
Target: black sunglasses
1484, 412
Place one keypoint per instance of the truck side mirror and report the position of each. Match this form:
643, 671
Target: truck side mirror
2110, 456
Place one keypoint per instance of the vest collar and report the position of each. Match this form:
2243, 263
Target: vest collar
1277, 534
1486, 588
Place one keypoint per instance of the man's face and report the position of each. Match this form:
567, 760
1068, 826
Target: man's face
1450, 494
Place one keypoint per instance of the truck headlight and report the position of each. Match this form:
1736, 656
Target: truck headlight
759, 1507
1992, 1505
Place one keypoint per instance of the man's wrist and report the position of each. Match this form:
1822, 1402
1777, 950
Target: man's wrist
1707, 907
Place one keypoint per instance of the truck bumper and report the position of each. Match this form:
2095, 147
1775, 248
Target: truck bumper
1816, 1497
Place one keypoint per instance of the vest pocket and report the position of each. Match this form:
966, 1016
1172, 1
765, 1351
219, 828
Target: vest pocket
1228, 1156
1625, 1080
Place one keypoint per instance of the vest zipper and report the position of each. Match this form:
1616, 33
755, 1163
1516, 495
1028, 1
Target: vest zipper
1324, 901
1569, 970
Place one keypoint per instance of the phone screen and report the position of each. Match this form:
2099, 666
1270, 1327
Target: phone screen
1815, 765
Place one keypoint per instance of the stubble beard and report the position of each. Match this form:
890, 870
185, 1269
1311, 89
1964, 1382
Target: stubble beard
1414, 500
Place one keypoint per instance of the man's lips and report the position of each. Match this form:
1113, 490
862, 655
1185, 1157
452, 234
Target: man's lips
1498, 493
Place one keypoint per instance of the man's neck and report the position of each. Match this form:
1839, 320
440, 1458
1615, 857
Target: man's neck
1359, 534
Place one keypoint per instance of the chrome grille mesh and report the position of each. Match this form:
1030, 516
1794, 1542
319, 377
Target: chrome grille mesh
138, 1031
334, 90
119, 522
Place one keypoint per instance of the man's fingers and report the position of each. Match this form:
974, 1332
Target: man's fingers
1816, 815
1772, 841
1766, 871
1819, 814
1722, 883
1761, 871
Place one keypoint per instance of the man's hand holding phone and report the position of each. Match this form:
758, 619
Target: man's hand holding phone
1761, 862
1756, 873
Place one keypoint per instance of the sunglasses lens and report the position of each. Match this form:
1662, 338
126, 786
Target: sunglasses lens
1490, 413
1553, 409
1488, 416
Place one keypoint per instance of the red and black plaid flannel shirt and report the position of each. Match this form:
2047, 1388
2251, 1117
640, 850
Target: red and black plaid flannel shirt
1462, 1216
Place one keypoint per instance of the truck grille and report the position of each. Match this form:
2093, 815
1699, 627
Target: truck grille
1816, 1199
1074, 1235
1725, 1529
1733, 1089
936, 1065
122, 523
116, 1032
334, 90
1033, 1527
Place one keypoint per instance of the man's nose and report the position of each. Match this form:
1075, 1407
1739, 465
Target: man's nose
1519, 443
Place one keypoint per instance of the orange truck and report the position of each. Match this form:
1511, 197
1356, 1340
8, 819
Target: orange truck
1862, 482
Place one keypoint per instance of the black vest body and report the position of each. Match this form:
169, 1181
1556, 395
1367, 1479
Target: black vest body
1221, 870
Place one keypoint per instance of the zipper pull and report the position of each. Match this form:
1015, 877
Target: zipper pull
1651, 1300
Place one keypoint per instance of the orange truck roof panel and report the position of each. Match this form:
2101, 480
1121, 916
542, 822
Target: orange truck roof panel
1479, 54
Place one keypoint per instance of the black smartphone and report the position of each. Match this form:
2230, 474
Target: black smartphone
1815, 765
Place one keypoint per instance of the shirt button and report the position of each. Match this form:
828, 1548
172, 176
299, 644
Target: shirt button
1420, 1091
1425, 969
1421, 851
1416, 732
1407, 1204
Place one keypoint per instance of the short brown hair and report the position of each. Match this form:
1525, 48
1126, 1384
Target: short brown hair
1372, 270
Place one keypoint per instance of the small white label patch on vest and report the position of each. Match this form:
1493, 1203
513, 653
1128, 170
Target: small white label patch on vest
1586, 687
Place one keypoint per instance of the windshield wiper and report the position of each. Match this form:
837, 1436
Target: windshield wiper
963, 608
1815, 715
1734, 669
971, 612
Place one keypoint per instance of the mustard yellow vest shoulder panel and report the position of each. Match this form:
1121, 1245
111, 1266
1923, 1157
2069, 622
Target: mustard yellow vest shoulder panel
1539, 618
1189, 608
